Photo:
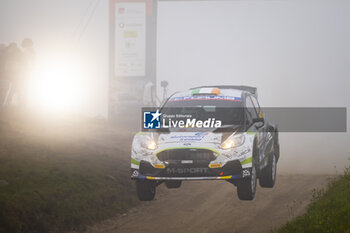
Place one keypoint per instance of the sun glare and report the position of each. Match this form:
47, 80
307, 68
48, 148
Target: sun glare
56, 85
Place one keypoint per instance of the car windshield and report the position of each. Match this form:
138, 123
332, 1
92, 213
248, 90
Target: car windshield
229, 111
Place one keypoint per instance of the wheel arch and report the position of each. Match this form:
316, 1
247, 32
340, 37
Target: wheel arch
276, 143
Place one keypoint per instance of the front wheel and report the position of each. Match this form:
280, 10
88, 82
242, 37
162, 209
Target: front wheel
268, 175
246, 187
146, 190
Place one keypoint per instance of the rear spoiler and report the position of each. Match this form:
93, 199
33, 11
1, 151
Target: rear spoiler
252, 90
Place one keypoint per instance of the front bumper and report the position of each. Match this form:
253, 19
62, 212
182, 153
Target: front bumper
189, 178
196, 171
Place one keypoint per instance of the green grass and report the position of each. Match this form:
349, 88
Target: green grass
329, 211
59, 185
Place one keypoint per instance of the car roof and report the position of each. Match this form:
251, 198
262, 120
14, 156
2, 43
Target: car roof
225, 92
244, 88
220, 90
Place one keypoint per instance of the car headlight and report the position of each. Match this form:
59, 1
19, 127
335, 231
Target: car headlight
233, 141
149, 143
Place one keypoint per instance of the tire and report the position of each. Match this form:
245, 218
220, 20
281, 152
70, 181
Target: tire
268, 175
173, 184
146, 190
246, 187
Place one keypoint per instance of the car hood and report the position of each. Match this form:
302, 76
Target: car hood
176, 137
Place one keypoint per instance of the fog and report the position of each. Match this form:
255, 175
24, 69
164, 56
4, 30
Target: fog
297, 53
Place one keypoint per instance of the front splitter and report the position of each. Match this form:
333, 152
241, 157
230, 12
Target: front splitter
231, 177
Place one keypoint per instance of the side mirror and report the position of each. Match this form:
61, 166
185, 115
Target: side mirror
257, 120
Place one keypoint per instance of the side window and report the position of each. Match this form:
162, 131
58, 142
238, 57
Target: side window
257, 107
250, 110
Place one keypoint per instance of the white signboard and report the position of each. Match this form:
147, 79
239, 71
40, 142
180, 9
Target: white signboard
130, 39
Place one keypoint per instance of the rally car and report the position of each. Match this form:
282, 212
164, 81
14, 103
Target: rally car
242, 149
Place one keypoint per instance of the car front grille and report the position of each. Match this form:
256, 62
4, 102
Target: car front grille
186, 154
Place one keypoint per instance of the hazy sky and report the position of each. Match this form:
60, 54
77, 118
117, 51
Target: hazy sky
296, 52
301, 47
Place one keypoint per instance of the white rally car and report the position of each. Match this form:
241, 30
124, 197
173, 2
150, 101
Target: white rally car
241, 150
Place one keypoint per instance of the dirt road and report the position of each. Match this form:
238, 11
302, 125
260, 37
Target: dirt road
198, 206
213, 206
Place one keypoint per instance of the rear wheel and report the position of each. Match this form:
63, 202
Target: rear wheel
173, 184
146, 190
246, 187
268, 175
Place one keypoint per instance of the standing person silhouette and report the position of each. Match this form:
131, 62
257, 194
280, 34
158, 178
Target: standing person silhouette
28, 67
14, 63
3, 83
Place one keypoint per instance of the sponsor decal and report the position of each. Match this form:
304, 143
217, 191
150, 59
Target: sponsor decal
195, 137
215, 165
246, 173
207, 97
186, 161
186, 170
247, 150
159, 166
135, 173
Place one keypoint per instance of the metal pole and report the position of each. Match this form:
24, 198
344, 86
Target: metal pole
7, 94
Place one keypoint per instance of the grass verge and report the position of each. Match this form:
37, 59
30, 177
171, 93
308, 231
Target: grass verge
329, 211
54, 181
